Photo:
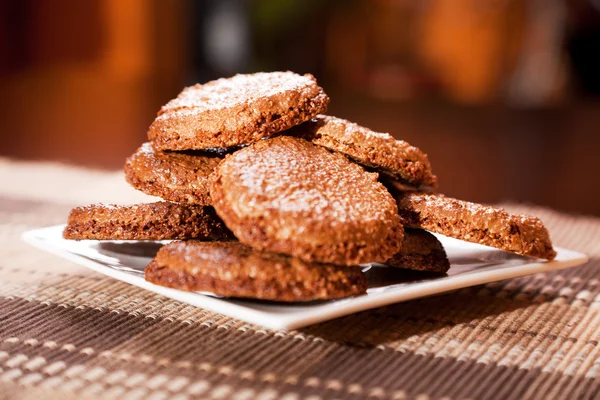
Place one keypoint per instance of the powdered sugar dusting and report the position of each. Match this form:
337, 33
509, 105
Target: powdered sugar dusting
293, 176
228, 92
287, 195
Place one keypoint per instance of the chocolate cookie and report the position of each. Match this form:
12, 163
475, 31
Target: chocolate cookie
476, 223
180, 177
232, 269
289, 196
421, 251
152, 221
238, 110
394, 158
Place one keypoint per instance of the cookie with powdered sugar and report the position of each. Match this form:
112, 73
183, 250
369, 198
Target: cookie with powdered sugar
394, 158
238, 110
289, 196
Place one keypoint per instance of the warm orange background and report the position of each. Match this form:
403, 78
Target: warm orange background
81, 82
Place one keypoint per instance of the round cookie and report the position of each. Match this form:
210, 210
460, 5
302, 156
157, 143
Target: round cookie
476, 223
395, 158
238, 110
179, 177
152, 221
232, 269
289, 196
421, 251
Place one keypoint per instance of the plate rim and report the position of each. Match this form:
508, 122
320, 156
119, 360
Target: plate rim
319, 313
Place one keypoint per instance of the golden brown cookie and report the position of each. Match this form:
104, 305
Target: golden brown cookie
289, 196
421, 251
152, 221
232, 269
238, 110
180, 177
394, 158
476, 223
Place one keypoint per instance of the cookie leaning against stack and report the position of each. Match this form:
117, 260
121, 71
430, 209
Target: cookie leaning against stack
290, 184
394, 158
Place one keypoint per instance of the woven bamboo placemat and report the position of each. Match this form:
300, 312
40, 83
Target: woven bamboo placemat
66, 332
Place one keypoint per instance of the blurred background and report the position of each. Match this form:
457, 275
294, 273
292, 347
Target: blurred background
502, 94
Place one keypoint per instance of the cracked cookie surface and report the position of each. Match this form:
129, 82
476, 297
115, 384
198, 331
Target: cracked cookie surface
289, 196
238, 110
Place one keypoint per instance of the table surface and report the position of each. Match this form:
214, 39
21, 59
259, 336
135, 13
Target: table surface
67, 332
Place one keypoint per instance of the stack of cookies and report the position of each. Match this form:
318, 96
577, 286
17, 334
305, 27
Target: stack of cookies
268, 198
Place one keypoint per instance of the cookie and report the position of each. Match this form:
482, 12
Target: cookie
179, 177
392, 157
289, 196
421, 251
520, 234
232, 269
152, 221
234, 111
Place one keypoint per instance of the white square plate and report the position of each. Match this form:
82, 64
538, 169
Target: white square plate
471, 264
